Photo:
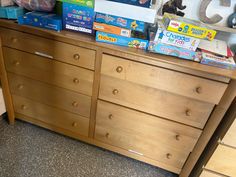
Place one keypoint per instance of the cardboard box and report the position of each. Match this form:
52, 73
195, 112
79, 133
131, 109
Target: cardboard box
120, 22
188, 27
174, 51
120, 40
126, 11
42, 20
218, 61
143, 3
175, 39
111, 29
78, 18
87, 3
11, 12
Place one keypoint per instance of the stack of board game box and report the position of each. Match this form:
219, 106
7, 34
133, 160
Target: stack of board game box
122, 31
78, 15
10, 11
191, 40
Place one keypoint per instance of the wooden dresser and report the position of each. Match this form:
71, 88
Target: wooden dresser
219, 157
154, 108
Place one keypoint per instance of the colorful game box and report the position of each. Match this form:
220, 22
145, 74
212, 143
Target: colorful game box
111, 29
78, 18
121, 40
11, 12
142, 3
120, 22
42, 20
175, 39
188, 27
218, 61
87, 3
174, 51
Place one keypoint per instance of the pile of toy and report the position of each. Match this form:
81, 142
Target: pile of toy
128, 23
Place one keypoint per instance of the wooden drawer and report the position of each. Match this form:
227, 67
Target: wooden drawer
49, 71
223, 161
51, 115
49, 48
155, 101
230, 136
163, 79
206, 173
50, 95
143, 134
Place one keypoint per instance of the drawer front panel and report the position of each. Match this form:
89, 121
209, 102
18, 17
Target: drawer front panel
206, 173
163, 79
161, 131
51, 115
145, 135
49, 48
223, 161
154, 101
230, 137
49, 71
50, 95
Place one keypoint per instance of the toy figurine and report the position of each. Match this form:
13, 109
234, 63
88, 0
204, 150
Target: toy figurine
172, 7
232, 20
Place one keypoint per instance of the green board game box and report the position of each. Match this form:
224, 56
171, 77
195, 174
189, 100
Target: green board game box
87, 3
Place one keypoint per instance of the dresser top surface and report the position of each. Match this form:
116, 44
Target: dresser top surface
88, 40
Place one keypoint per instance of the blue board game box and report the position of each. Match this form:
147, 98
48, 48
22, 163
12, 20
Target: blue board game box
78, 18
120, 22
121, 40
141, 3
11, 12
42, 20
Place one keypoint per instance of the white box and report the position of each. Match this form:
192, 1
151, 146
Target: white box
125, 10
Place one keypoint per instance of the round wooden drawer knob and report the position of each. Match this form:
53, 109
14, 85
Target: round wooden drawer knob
115, 92
168, 156
119, 69
76, 81
75, 104
16, 63
199, 90
23, 107
20, 86
14, 40
76, 56
107, 135
188, 112
110, 116
74, 124
177, 137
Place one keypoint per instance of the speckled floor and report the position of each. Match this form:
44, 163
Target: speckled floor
30, 151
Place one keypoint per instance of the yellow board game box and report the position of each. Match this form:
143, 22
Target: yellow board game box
188, 27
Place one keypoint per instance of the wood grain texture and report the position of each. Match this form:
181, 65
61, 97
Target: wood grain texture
140, 133
6, 89
50, 95
230, 136
87, 41
51, 116
60, 51
49, 71
95, 142
154, 101
223, 161
207, 173
163, 79
96, 84
210, 128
